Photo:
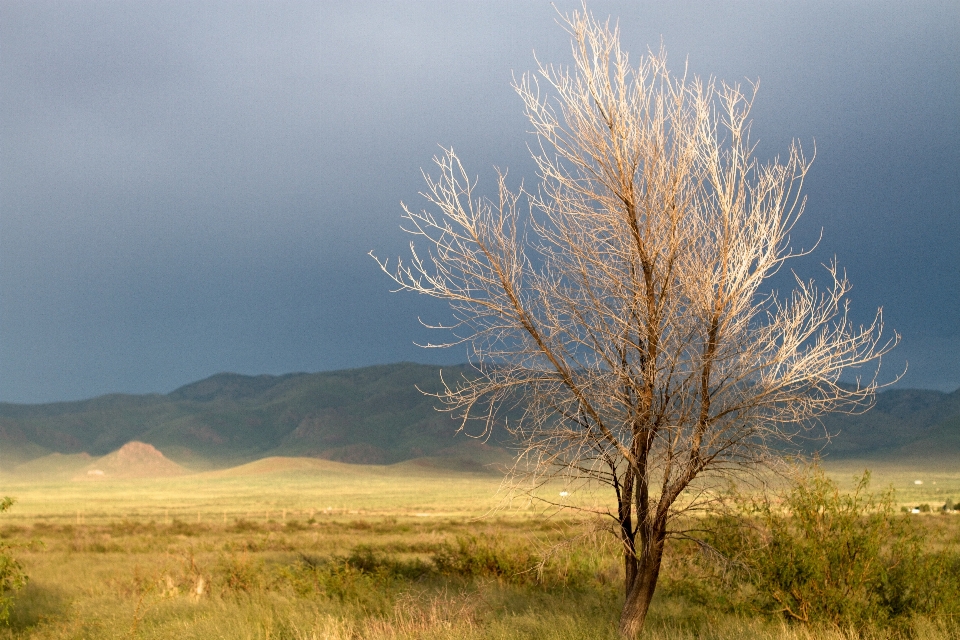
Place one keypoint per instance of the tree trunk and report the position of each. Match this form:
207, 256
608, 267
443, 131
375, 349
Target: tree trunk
640, 592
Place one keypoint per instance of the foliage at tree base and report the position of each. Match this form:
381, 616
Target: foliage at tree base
12, 577
383, 578
816, 555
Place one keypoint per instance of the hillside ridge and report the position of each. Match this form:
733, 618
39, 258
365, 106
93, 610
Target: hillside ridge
370, 415
373, 415
133, 460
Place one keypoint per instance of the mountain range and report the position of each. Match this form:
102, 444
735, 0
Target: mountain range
376, 415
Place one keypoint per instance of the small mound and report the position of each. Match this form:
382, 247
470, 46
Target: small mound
360, 453
53, 466
458, 464
132, 460
279, 464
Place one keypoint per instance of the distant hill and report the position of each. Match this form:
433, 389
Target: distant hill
373, 415
902, 423
939, 442
132, 460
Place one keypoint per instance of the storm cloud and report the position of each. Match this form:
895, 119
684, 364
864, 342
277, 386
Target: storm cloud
188, 188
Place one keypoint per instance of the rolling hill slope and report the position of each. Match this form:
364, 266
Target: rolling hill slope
373, 415
918, 421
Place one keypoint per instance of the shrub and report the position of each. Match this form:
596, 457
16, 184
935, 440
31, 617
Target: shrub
374, 561
12, 577
472, 556
817, 555
181, 528
295, 525
366, 579
239, 573
492, 557
242, 525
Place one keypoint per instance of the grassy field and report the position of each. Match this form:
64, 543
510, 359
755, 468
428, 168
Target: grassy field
937, 481
298, 548
261, 491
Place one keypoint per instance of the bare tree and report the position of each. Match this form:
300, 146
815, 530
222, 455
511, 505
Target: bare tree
624, 303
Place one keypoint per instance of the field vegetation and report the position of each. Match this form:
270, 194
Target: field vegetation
298, 548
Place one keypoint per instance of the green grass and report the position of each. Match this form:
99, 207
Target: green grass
406, 551
265, 489
940, 480
260, 491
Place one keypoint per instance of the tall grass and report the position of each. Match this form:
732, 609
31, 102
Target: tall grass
267, 559
374, 578
12, 576
815, 555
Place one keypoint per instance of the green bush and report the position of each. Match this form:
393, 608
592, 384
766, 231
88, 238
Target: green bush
12, 577
242, 525
472, 556
518, 564
367, 579
239, 573
817, 555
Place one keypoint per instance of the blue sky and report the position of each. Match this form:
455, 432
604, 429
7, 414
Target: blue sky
193, 187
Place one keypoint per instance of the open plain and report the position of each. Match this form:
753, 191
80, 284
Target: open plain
305, 548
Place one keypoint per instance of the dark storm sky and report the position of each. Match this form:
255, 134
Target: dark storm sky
188, 188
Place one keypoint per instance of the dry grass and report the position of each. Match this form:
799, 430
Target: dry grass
139, 565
